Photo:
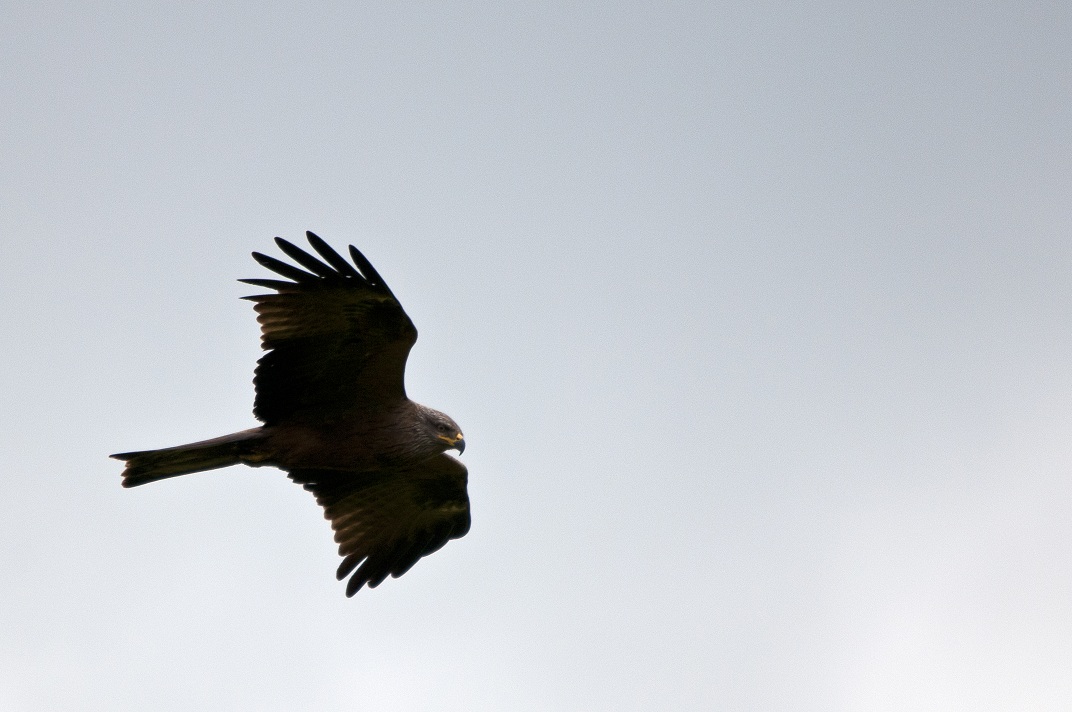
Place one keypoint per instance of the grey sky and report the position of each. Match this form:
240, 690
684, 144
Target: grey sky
755, 317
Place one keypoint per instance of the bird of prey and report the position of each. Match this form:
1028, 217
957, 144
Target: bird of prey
330, 393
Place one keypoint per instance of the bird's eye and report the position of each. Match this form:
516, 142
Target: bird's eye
441, 428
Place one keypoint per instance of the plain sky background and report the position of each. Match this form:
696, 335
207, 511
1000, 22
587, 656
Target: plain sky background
755, 315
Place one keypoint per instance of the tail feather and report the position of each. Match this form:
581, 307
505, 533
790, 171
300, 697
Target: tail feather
152, 465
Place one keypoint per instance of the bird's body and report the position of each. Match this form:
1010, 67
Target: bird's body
331, 394
349, 443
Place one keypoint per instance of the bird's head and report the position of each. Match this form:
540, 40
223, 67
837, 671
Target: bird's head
443, 429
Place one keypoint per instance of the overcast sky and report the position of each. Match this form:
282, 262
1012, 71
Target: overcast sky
755, 315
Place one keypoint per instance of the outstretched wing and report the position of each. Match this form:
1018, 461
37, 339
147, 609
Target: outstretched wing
337, 339
386, 521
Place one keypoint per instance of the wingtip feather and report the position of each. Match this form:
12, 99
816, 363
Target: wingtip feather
331, 256
306, 260
368, 270
282, 268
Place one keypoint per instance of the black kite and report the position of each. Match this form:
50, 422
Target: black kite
331, 395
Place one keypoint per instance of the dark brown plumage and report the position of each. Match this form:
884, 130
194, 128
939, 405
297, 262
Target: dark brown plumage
331, 393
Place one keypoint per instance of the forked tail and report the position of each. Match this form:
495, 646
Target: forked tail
152, 465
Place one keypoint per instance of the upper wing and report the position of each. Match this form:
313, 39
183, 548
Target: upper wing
385, 521
336, 336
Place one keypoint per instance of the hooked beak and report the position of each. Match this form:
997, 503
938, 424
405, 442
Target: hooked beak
457, 442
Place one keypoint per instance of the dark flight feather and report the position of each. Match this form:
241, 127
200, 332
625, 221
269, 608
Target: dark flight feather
283, 269
306, 260
333, 258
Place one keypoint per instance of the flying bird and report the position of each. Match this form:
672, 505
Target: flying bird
330, 392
